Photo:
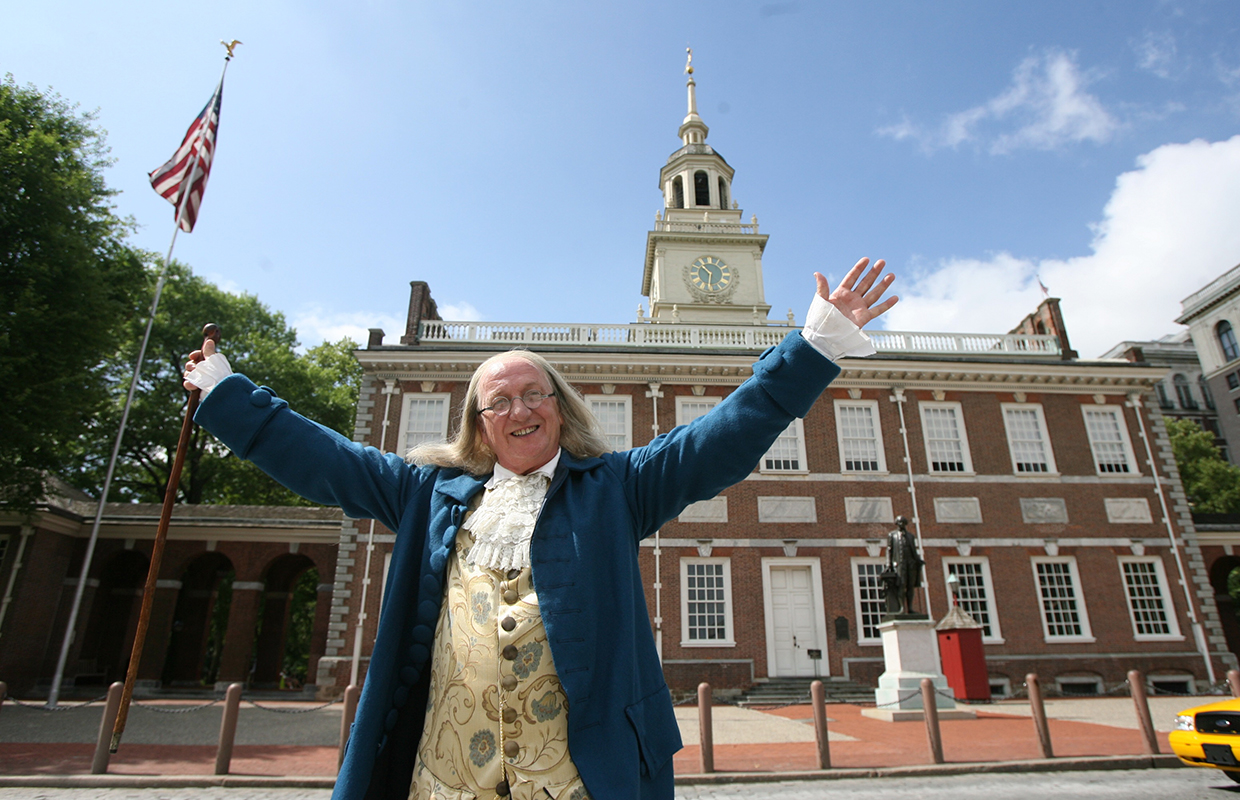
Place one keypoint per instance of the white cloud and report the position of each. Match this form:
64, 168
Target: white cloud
316, 325
1168, 229
1156, 53
1045, 107
460, 312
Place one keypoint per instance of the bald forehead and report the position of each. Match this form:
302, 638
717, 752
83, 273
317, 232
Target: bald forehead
513, 371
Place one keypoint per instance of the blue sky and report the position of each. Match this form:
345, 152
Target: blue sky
508, 153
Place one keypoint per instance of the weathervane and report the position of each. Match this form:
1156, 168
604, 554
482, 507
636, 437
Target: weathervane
689, 63
230, 46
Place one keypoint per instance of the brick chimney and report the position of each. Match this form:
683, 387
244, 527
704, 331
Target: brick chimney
1048, 320
421, 306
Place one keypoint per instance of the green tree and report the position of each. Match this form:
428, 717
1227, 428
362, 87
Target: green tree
322, 384
69, 283
1211, 484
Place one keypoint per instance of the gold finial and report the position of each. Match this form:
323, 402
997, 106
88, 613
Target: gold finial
230, 46
689, 63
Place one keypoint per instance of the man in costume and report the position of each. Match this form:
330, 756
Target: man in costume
514, 656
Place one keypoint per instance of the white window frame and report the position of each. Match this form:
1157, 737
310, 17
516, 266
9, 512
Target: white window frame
621, 399
794, 434
1082, 613
1117, 415
682, 401
1165, 598
878, 564
1036, 408
729, 639
878, 437
987, 594
966, 459
406, 404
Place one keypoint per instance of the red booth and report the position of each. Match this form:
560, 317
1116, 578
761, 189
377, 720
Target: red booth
963, 660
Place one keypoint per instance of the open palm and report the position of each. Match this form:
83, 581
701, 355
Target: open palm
858, 295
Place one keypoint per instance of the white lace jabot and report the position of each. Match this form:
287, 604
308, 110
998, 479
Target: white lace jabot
503, 523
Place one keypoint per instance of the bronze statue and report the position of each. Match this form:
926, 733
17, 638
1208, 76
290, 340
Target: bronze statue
902, 576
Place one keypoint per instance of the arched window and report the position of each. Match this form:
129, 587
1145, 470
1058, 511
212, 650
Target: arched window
1227, 338
1183, 393
1205, 392
723, 194
1163, 400
678, 192
701, 190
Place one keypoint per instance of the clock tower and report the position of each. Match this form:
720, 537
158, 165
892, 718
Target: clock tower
703, 264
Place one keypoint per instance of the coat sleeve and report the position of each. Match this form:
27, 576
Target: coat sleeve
697, 461
311, 460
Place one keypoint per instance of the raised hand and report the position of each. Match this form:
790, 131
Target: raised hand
860, 290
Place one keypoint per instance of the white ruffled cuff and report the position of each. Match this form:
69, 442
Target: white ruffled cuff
833, 334
208, 372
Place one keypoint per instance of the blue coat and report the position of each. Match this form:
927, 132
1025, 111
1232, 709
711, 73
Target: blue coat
622, 732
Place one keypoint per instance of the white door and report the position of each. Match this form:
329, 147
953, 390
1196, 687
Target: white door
792, 621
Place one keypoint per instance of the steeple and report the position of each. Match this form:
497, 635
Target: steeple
703, 264
692, 130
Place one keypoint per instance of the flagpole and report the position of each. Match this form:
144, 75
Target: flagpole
53, 695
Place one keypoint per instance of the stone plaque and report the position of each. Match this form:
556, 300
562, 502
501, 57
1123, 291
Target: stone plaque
787, 509
868, 509
1128, 509
712, 510
957, 509
1043, 509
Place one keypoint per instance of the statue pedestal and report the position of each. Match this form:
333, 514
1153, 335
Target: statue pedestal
910, 654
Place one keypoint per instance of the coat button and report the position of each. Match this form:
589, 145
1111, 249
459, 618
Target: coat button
510, 597
508, 623
511, 748
508, 682
510, 652
501, 788
260, 398
510, 715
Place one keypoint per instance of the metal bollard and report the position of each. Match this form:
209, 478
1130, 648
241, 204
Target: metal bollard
351, 694
706, 732
1039, 714
819, 698
228, 728
1233, 679
930, 708
1136, 682
99, 764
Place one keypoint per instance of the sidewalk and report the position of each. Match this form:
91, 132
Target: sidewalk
55, 748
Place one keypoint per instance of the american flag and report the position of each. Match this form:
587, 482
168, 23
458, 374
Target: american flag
183, 179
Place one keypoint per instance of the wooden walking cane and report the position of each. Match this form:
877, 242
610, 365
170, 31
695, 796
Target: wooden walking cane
209, 331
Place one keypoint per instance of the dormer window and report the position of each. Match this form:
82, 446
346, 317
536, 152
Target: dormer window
701, 189
678, 192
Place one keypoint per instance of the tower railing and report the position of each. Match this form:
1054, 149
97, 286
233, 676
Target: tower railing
721, 337
705, 226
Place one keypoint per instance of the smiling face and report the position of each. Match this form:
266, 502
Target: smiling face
524, 439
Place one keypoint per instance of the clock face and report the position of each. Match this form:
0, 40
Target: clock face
710, 274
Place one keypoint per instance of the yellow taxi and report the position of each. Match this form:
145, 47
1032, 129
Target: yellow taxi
1209, 736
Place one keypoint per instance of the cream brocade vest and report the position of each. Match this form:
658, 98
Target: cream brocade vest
497, 716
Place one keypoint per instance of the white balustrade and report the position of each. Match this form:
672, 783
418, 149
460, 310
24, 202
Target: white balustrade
722, 337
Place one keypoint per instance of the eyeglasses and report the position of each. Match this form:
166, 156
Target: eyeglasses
502, 405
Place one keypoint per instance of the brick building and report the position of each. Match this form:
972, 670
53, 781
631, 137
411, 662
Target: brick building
1043, 481
221, 611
